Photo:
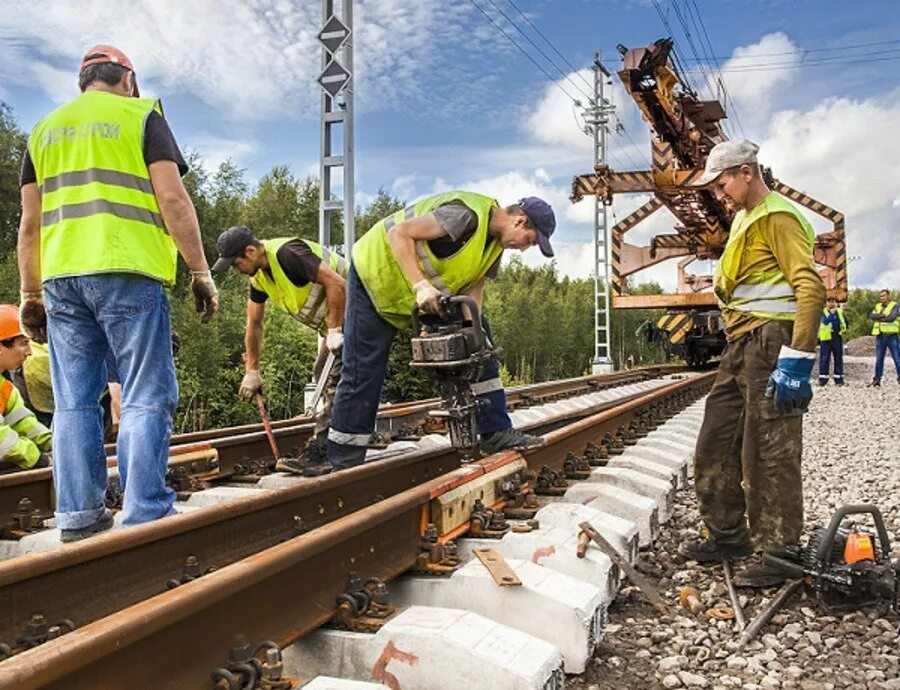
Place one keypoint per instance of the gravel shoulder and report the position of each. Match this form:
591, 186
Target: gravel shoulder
851, 455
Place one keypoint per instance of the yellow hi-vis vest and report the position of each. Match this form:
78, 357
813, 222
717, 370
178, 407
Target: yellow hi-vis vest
825, 329
765, 294
388, 287
98, 210
885, 327
22, 436
306, 303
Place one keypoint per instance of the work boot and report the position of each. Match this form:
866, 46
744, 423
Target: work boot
823, 383
708, 551
758, 574
508, 439
312, 462
876, 383
103, 523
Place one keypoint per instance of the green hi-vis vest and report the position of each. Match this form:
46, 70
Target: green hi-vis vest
765, 294
825, 329
384, 280
307, 304
885, 327
98, 210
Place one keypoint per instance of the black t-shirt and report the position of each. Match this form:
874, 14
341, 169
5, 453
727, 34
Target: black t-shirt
297, 261
159, 145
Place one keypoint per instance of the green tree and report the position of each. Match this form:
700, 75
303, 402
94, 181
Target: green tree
12, 149
382, 206
860, 302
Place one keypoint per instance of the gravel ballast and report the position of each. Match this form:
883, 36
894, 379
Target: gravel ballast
851, 455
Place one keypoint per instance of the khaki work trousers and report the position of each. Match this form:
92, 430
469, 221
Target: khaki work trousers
747, 460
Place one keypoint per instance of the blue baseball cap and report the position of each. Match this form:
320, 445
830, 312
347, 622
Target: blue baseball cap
542, 218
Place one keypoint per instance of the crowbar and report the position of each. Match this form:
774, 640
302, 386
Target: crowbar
732, 594
261, 406
320, 384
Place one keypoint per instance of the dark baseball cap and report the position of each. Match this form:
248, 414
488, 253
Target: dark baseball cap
542, 218
231, 244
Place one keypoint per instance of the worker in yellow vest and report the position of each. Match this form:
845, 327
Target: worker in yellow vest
747, 459
306, 280
24, 440
104, 217
445, 244
832, 327
886, 326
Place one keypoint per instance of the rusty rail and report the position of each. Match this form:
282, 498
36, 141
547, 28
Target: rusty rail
240, 448
176, 637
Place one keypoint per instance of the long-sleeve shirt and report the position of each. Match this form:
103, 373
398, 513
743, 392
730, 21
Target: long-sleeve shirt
887, 316
22, 436
777, 239
834, 320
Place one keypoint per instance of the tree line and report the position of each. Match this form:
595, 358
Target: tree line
543, 321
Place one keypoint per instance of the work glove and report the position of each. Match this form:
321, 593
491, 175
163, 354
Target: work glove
32, 316
251, 384
428, 297
334, 340
206, 297
789, 383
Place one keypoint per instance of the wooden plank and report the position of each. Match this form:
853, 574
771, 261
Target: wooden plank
498, 568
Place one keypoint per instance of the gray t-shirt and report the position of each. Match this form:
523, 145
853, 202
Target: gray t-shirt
460, 223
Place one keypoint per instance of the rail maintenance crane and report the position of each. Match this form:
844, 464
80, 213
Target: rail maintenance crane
683, 129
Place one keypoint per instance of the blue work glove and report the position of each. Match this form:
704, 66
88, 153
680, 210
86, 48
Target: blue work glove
789, 383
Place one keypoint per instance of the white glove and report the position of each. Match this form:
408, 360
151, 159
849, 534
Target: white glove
428, 297
334, 340
251, 384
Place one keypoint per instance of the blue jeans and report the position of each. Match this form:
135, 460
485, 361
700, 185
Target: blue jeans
367, 345
885, 342
89, 317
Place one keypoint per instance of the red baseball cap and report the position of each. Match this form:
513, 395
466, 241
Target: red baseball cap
103, 54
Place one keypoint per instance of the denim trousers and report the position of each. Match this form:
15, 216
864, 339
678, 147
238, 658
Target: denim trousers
889, 342
828, 349
367, 345
127, 316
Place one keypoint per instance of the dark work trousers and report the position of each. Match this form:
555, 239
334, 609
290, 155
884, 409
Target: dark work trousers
827, 350
367, 344
747, 460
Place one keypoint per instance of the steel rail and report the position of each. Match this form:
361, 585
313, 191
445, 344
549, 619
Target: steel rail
240, 448
114, 570
190, 627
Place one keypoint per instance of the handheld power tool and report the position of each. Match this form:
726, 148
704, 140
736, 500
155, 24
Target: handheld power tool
846, 568
454, 348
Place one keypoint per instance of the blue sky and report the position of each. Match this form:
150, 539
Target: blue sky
445, 100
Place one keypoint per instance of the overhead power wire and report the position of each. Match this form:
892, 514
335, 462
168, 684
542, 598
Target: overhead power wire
538, 48
814, 50
676, 53
523, 51
549, 43
792, 65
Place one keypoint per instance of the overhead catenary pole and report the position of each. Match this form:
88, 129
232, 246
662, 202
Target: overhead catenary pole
337, 85
596, 117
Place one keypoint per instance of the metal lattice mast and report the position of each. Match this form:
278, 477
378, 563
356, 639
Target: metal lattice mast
597, 118
336, 81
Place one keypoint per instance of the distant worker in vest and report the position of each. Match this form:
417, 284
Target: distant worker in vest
24, 440
885, 328
306, 280
747, 459
832, 327
446, 244
104, 217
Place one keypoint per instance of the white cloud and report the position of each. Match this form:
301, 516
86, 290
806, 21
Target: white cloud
250, 59
215, 150
751, 88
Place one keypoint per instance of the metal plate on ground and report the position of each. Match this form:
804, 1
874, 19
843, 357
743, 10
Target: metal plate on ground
498, 568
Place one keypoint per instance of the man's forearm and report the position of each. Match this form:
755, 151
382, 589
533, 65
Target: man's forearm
181, 221
336, 296
253, 346
404, 249
29, 252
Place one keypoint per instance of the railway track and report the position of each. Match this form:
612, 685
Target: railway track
181, 588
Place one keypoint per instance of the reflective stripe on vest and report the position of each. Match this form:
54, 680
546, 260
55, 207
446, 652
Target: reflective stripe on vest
765, 294
885, 327
388, 286
98, 210
826, 331
306, 303
9, 442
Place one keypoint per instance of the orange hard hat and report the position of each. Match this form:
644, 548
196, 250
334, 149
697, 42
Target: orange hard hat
103, 54
9, 322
